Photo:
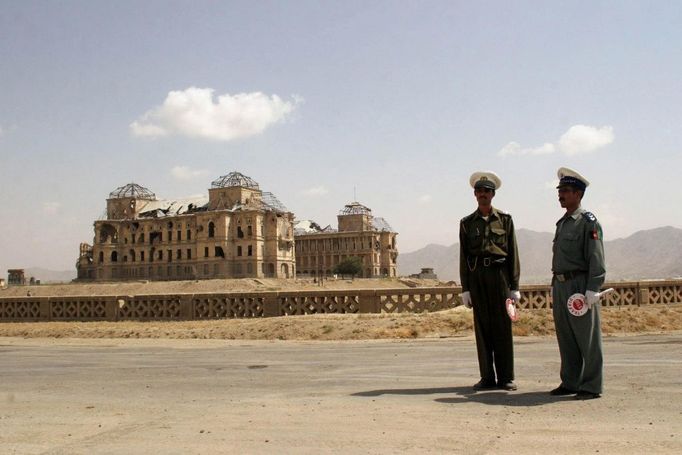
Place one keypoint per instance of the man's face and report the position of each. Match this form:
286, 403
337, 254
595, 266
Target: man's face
569, 197
484, 196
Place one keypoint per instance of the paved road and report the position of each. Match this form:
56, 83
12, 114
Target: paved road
205, 396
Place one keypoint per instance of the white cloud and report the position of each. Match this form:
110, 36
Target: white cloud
195, 113
514, 148
552, 184
425, 199
316, 191
51, 208
578, 139
584, 139
185, 173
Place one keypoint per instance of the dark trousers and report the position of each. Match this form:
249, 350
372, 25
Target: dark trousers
489, 289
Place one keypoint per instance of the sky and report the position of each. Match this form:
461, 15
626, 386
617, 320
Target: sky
390, 103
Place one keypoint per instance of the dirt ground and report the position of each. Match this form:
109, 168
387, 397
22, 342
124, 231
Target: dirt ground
131, 396
442, 324
144, 287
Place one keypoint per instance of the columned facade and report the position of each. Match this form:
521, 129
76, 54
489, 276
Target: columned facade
238, 231
359, 234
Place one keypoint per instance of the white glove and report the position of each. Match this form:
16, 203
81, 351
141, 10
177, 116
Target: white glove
515, 296
591, 298
466, 298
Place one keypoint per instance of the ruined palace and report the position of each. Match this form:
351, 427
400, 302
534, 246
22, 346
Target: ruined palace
237, 231
359, 234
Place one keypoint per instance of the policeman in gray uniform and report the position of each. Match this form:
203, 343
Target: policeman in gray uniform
489, 270
578, 267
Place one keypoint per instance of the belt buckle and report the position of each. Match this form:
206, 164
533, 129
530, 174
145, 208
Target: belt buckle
487, 262
561, 277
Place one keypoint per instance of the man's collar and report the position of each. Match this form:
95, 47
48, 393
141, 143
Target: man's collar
575, 215
493, 213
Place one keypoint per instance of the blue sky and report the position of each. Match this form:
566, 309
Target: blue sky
398, 101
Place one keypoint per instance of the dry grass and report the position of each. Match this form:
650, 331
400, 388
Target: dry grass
450, 323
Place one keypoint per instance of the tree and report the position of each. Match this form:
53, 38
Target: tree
349, 266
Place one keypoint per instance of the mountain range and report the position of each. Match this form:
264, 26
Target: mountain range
649, 254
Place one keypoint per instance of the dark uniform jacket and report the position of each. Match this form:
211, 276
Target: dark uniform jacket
494, 239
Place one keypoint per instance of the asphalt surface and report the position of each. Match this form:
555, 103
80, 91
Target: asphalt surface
208, 396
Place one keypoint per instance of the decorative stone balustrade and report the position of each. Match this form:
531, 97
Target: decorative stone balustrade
289, 303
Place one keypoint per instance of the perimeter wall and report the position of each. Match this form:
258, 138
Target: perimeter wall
288, 303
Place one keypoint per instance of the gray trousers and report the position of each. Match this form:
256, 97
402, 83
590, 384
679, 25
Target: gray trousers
579, 339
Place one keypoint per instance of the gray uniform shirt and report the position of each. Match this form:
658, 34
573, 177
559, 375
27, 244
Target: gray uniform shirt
579, 247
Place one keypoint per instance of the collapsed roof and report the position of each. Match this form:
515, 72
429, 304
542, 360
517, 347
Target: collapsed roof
309, 227
381, 224
155, 208
355, 208
305, 227
159, 209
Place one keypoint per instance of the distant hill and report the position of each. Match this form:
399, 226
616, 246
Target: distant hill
50, 276
653, 253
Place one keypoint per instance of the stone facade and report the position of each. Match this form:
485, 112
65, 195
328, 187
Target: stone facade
238, 231
319, 250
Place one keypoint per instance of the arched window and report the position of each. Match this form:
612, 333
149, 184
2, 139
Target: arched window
211, 229
114, 256
101, 256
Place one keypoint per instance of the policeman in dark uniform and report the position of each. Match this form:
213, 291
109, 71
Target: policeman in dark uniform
578, 268
489, 270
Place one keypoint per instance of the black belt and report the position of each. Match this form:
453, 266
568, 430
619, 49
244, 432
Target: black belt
561, 277
489, 261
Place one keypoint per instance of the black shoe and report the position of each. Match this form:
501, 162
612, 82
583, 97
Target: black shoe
582, 395
484, 384
561, 391
507, 385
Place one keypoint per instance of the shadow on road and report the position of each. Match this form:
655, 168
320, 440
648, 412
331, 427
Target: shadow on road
466, 394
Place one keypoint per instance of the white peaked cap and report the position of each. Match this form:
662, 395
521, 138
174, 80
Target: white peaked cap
485, 176
568, 176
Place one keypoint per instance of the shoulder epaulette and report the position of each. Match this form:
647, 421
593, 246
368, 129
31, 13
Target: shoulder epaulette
589, 216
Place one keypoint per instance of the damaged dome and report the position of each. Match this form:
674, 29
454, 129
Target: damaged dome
234, 179
132, 190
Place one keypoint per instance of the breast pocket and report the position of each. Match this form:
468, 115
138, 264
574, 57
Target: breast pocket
498, 236
568, 242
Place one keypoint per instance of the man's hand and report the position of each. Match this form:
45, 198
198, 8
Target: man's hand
515, 296
591, 298
466, 298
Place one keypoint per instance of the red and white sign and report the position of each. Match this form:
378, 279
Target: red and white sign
576, 305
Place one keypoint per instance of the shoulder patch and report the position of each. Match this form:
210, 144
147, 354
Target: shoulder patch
589, 216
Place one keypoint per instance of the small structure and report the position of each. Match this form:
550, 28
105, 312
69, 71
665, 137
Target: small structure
427, 273
16, 277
